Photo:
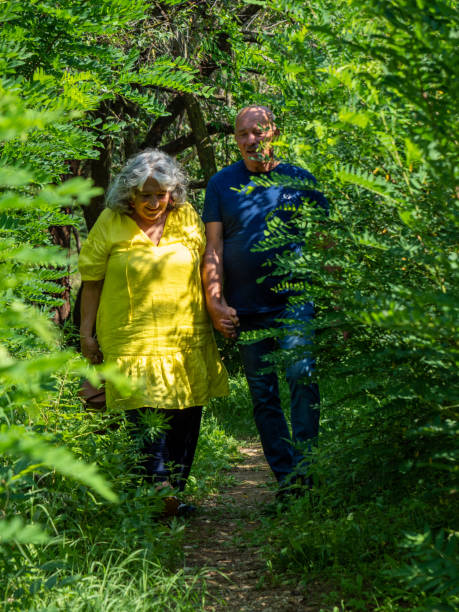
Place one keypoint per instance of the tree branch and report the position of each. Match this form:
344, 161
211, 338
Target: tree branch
153, 138
197, 184
174, 147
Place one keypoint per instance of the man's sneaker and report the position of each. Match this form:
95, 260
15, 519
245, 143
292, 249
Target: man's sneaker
284, 493
296, 487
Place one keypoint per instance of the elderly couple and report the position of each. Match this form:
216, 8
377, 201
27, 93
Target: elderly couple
143, 267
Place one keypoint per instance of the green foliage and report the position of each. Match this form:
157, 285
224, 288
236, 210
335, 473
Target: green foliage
80, 58
29, 350
18, 532
234, 414
368, 95
18, 442
216, 453
433, 567
101, 555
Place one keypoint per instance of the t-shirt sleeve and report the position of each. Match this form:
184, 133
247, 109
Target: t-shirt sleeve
211, 212
94, 254
314, 196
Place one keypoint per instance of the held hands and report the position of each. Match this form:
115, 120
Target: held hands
224, 319
90, 349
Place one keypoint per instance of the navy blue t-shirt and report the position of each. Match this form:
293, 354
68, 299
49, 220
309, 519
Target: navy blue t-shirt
233, 199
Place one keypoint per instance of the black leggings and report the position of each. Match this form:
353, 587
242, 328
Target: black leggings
170, 455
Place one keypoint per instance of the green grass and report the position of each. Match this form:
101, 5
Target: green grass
104, 556
234, 414
351, 533
216, 453
110, 579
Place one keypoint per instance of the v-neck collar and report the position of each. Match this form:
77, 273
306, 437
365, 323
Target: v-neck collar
145, 235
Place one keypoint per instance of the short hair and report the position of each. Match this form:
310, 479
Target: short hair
268, 111
149, 163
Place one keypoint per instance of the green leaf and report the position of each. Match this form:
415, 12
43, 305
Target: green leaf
17, 441
15, 530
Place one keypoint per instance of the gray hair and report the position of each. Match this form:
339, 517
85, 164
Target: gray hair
149, 163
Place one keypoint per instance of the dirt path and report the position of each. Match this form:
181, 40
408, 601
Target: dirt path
218, 540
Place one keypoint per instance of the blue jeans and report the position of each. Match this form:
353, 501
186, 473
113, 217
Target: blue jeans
286, 454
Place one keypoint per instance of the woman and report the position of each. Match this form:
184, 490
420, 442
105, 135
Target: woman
140, 268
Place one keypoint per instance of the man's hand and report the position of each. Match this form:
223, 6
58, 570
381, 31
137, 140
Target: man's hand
224, 319
90, 349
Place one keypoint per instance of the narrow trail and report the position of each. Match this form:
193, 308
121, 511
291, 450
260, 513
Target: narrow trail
218, 541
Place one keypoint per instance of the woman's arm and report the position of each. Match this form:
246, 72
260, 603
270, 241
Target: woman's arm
90, 298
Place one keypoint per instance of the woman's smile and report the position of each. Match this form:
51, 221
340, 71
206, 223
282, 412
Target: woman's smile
150, 202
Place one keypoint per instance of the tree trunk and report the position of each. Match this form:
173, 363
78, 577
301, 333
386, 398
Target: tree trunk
100, 174
201, 136
155, 134
99, 171
61, 235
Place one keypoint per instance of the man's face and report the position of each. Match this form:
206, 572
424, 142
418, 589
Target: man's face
254, 133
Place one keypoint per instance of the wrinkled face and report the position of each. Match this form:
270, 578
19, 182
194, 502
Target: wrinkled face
150, 202
254, 134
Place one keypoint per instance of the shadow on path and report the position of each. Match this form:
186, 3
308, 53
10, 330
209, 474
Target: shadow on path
220, 541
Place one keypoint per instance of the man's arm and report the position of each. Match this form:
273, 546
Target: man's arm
90, 298
224, 318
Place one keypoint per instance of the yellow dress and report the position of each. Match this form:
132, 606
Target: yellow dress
152, 320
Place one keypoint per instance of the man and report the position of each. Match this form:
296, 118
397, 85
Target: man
235, 213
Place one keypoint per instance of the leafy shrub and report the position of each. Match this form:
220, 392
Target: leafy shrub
433, 568
234, 414
369, 93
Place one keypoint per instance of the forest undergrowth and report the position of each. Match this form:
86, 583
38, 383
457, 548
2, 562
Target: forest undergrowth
103, 556
366, 98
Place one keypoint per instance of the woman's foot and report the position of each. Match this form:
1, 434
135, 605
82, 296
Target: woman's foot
171, 506
170, 501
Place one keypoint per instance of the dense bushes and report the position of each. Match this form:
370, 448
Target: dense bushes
371, 93
367, 97
59, 62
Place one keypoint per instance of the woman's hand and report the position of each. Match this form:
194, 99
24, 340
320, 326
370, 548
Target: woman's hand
90, 349
90, 298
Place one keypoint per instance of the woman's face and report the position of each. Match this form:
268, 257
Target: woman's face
150, 202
